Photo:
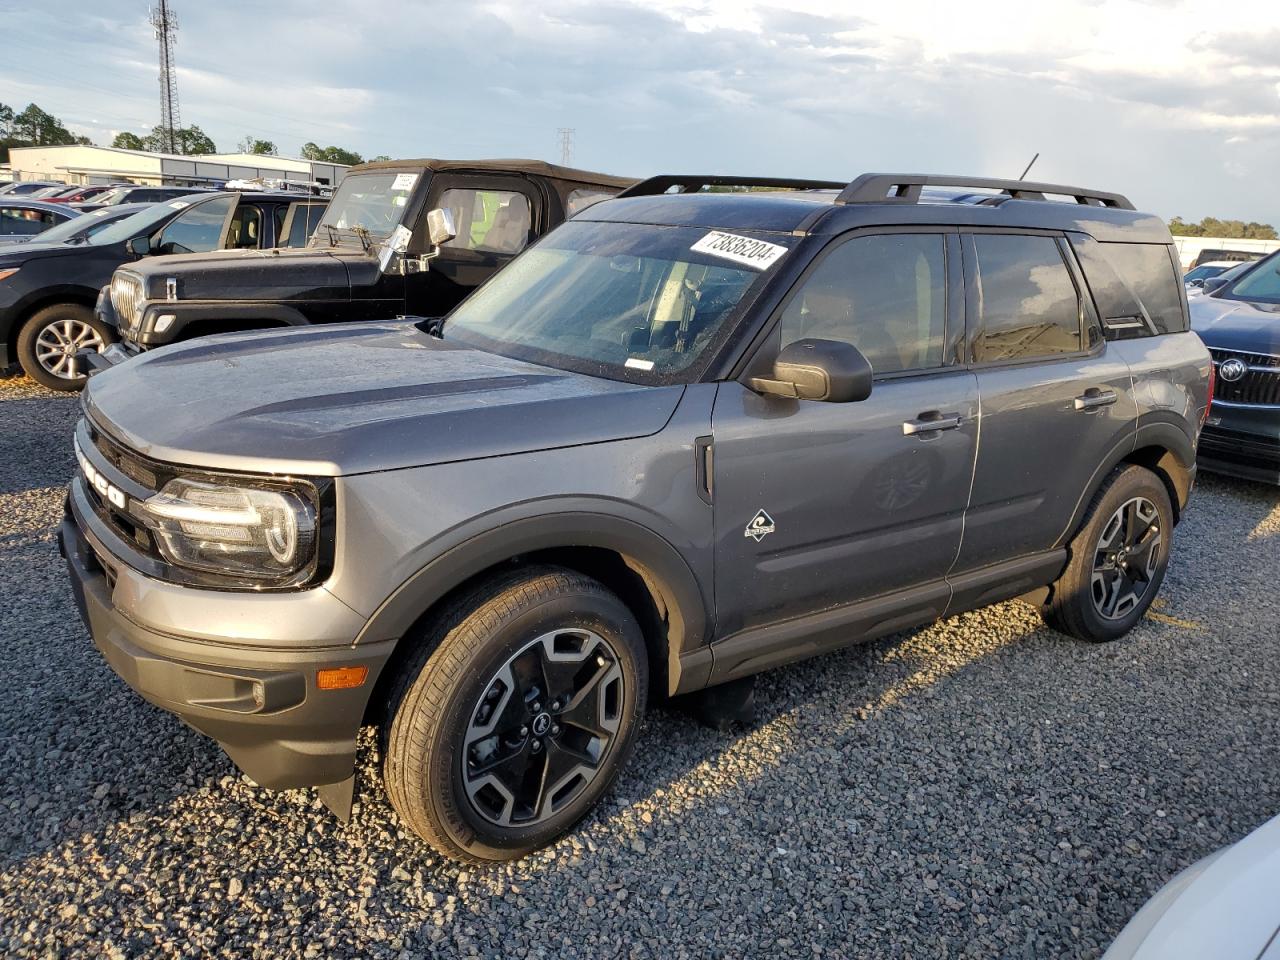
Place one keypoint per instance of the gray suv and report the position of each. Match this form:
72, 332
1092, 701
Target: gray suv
689, 435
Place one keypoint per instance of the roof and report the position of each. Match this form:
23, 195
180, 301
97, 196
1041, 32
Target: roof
537, 168
25, 204
830, 211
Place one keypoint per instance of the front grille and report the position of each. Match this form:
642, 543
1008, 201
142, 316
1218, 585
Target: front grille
1260, 384
127, 296
122, 521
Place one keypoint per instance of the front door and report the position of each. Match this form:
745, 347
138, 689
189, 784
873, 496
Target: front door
496, 217
818, 505
1055, 400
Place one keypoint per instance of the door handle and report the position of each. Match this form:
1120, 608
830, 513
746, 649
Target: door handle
1093, 398
931, 422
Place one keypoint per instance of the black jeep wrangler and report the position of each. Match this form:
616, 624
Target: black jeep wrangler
370, 258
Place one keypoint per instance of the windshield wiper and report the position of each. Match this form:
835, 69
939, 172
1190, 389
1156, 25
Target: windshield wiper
433, 327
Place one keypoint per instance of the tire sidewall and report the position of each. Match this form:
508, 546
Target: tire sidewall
39, 321
1135, 482
596, 611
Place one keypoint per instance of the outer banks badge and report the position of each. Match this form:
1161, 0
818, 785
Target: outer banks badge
761, 526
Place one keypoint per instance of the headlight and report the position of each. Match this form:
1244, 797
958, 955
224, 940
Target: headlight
8, 272
263, 534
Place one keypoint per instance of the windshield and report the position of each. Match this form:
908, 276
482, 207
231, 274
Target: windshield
1261, 283
373, 201
88, 224
144, 221
622, 300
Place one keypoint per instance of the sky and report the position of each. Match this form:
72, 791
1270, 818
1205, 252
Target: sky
1176, 104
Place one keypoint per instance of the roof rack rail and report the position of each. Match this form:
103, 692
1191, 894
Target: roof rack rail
906, 187
692, 183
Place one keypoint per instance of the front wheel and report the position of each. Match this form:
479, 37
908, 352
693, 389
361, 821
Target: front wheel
516, 716
50, 340
1118, 559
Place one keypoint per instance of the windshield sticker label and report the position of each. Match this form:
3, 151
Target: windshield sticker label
179, 205
635, 363
747, 251
404, 181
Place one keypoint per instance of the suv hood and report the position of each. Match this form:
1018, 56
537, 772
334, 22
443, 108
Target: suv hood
16, 254
1236, 324
357, 398
243, 274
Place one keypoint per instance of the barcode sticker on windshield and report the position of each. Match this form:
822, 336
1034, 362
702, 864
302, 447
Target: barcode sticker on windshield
747, 251
404, 181
635, 363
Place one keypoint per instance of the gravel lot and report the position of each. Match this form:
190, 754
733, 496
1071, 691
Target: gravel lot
981, 788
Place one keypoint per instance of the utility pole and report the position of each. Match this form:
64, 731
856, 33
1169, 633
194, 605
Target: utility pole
565, 134
166, 26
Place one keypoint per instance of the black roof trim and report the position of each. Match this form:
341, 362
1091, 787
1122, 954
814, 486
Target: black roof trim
534, 167
692, 183
906, 187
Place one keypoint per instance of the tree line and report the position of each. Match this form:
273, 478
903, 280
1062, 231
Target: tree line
34, 127
1232, 229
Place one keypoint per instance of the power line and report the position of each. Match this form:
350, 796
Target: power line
565, 135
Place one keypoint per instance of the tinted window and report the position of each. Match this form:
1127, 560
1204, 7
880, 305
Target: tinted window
245, 232
305, 219
18, 222
1150, 271
885, 295
1260, 283
1029, 304
496, 221
197, 230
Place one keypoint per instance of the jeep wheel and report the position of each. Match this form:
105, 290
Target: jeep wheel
50, 340
1118, 559
517, 714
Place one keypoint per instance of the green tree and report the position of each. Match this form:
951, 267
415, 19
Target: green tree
187, 140
6, 119
253, 145
1227, 229
128, 141
32, 127
311, 151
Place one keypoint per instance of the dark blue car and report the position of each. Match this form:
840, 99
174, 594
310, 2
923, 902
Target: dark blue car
1239, 322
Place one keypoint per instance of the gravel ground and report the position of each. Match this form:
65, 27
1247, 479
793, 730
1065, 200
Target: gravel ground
981, 788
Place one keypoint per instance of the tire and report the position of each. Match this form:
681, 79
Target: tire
1109, 584
45, 338
467, 699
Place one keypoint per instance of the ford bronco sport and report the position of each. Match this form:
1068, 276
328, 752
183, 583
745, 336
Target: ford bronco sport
365, 260
684, 438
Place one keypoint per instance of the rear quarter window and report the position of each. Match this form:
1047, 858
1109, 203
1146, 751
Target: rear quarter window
1151, 272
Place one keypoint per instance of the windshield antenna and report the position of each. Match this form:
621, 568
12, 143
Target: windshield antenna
329, 230
363, 236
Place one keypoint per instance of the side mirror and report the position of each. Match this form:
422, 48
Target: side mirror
818, 370
140, 246
1212, 284
440, 226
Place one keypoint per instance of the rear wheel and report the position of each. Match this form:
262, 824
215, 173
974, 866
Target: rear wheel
1118, 559
516, 716
50, 340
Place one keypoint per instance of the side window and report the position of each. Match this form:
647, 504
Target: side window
584, 197
1148, 268
306, 216
494, 221
15, 221
245, 232
197, 229
1029, 303
886, 295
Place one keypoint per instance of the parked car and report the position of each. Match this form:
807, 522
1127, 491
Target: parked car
47, 291
84, 194
1196, 276
366, 260
1224, 906
1239, 321
130, 193
22, 188
81, 227
21, 219
682, 439
1209, 284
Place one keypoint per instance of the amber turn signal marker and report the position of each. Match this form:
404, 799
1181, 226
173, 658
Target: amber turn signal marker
341, 678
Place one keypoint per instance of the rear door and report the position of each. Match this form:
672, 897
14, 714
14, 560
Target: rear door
821, 505
1055, 400
496, 217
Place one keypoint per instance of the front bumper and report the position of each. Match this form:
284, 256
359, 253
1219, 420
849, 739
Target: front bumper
1242, 441
259, 701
